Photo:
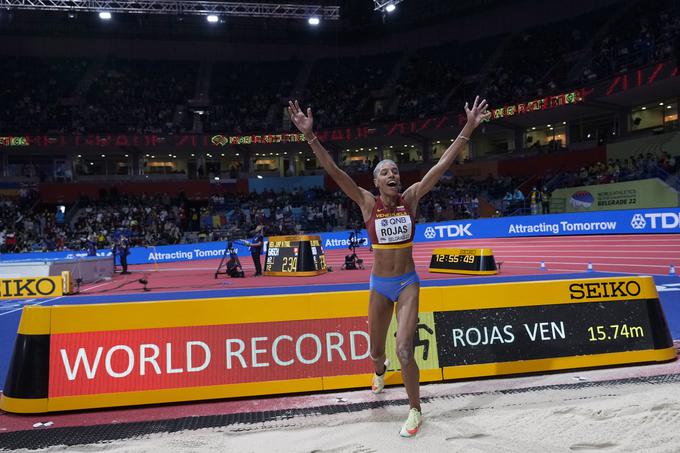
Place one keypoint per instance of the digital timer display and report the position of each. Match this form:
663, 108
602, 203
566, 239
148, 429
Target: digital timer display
463, 261
294, 256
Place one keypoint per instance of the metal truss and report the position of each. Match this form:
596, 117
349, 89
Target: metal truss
380, 5
178, 7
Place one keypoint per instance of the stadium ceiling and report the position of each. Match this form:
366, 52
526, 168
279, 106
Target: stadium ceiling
180, 7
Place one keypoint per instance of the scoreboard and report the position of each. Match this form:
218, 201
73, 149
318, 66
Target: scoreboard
294, 256
463, 261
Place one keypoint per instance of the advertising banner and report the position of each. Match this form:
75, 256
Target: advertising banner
23, 288
647, 193
53, 256
134, 360
524, 333
643, 221
182, 252
133, 353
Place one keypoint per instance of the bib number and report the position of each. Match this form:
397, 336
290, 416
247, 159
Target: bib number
390, 230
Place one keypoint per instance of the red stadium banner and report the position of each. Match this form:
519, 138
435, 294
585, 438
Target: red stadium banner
87, 363
634, 78
639, 77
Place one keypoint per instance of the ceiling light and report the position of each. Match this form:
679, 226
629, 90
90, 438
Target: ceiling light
212, 19
105, 15
385, 6
313, 21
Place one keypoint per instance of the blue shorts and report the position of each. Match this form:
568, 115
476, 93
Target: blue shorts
391, 287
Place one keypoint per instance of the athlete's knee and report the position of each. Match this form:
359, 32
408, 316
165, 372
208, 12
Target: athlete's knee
377, 353
404, 353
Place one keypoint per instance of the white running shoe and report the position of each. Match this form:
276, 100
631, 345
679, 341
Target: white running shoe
378, 383
412, 424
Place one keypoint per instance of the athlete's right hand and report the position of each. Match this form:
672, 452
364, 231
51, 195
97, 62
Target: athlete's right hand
303, 122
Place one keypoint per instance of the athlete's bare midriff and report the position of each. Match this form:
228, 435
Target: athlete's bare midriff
392, 262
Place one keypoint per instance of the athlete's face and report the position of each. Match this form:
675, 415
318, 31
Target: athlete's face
387, 180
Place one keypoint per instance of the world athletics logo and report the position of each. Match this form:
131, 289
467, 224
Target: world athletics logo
582, 199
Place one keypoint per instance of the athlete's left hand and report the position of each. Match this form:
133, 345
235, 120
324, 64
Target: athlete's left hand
303, 122
477, 113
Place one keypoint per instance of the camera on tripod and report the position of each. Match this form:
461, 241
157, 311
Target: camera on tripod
230, 263
234, 269
353, 262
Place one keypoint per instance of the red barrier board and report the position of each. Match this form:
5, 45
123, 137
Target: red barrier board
149, 359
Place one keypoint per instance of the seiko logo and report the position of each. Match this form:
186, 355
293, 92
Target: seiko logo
448, 231
599, 290
27, 287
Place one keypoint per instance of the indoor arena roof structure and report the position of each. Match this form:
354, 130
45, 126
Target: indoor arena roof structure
185, 7
329, 21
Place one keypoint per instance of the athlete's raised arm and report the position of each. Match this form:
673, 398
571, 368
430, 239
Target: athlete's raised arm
475, 116
305, 124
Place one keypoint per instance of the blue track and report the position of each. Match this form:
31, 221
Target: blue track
10, 311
